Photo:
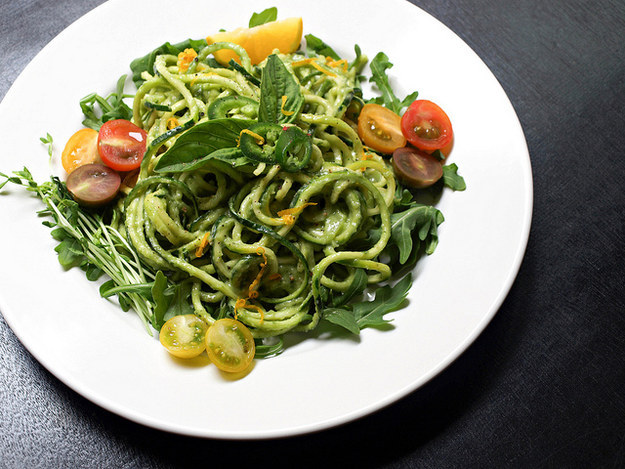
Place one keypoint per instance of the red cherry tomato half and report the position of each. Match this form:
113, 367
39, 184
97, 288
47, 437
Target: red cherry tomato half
121, 144
426, 126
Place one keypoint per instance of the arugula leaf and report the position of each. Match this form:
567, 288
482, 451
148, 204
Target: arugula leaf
111, 107
387, 299
276, 82
379, 65
198, 144
315, 46
265, 16
358, 285
356, 317
342, 317
161, 300
452, 179
422, 218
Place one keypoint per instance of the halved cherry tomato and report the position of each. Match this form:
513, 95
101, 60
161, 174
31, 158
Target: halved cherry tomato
416, 168
183, 335
121, 144
230, 345
426, 125
80, 149
93, 184
380, 128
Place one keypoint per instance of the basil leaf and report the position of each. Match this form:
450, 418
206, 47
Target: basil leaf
315, 46
379, 65
265, 16
146, 63
194, 146
277, 81
452, 179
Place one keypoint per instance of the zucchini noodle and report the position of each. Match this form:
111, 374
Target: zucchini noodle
263, 242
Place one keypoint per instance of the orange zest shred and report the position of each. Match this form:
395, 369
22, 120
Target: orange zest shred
199, 252
286, 113
253, 290
172, 123
252, 293
275, 276
185, 58
337, 63
288, 215
323, 70
259, 139
299, 63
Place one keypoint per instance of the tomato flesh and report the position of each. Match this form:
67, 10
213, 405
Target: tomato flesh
230, 345
380, 128
416, 168
122, 144
426, 126
183, 336
93, 184
80, 149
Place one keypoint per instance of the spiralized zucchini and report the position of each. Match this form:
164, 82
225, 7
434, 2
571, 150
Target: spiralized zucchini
265, 242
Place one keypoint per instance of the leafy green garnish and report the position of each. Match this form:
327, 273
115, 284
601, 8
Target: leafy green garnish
214, 139
276, 82
265, 16
452, 179
315, 46
370, 313
420, 219
88, 241
47, 140
379, 65
111, 107
146, 63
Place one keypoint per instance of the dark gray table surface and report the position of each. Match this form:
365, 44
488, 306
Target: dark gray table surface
543, 386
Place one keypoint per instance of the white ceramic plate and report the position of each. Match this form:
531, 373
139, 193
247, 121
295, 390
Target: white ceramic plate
105, 354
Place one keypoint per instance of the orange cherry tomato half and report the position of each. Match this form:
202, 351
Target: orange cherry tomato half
426, 126
122, 144
80, 149
380, 128
416, 168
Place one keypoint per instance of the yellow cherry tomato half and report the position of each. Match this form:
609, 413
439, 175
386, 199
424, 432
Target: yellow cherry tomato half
183, 335
81, 149
380, 128
230, 345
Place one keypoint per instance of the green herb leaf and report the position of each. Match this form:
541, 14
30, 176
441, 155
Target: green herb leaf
265, 16
161, 300
110, 108
277, 81
452, 179
315, 46
195, 147
379, 65
146, 63
342, 317
422, 218
387, 299
358, 285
